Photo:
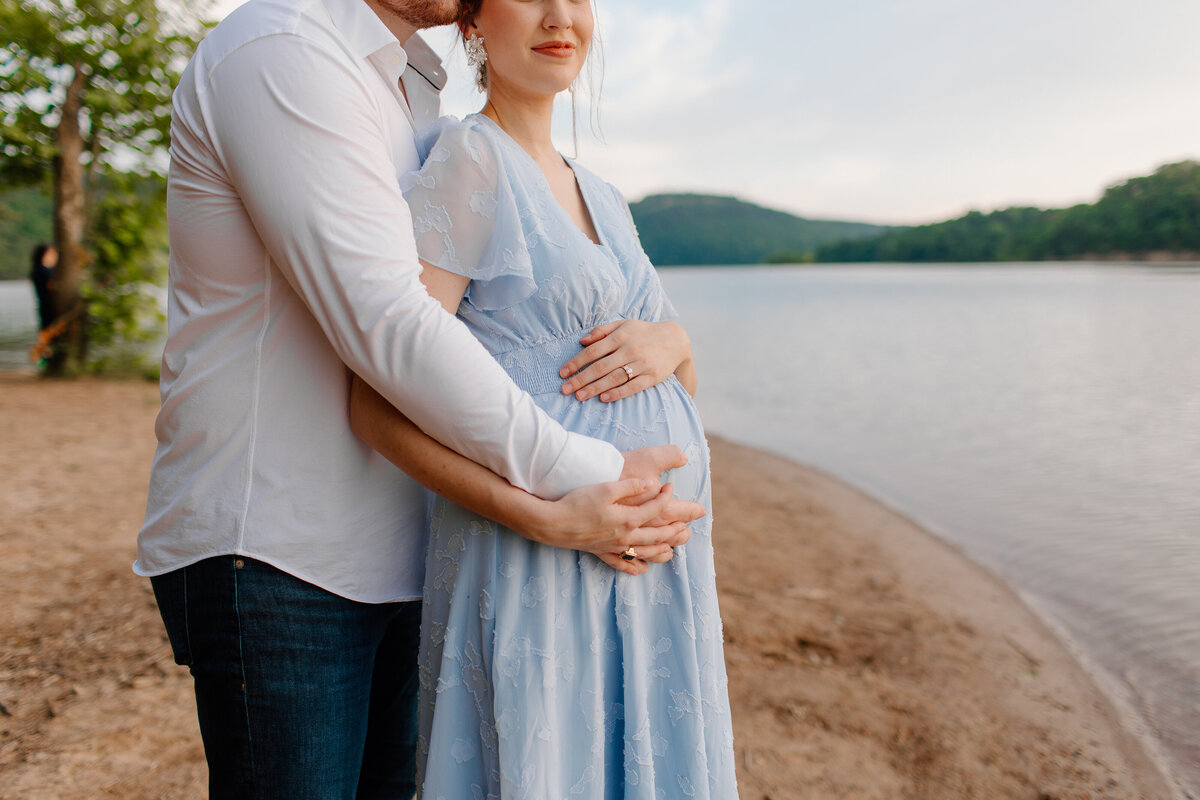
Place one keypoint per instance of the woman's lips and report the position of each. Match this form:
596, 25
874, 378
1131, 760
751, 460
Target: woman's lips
556, 49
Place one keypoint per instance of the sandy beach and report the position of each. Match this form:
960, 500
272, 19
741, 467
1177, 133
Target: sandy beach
867, 659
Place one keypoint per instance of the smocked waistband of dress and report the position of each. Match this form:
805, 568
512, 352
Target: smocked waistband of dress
535, 368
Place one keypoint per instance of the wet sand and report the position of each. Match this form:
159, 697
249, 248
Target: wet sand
867, 659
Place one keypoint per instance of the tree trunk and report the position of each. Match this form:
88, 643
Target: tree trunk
70, 223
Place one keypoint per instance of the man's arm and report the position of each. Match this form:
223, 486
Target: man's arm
301, 139
592, 519
604, 521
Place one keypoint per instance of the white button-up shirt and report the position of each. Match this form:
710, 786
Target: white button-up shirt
292, 256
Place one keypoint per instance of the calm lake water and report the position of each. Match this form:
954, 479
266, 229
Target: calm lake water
18, 323
1044, 419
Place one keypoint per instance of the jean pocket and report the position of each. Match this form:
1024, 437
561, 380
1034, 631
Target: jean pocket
170, 592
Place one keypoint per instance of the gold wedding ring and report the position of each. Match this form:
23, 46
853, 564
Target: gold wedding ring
629, 555
628, 371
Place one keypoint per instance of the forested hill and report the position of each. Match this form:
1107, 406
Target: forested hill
1143, 217
705, 229
1149, 217
675, 229
24, 224
25, 221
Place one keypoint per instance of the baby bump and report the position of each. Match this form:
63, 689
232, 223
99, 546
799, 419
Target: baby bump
662, 414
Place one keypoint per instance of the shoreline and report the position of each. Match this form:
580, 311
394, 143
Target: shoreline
1121, 698
867, 657
1004, 648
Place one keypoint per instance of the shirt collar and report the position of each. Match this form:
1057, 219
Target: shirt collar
362, 29
366, 34
425, 62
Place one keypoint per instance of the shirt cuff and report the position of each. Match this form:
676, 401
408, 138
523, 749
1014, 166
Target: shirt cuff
584, 461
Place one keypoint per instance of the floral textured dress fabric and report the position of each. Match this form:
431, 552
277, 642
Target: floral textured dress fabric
545, 674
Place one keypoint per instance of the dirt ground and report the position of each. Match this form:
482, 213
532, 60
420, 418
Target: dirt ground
867, 660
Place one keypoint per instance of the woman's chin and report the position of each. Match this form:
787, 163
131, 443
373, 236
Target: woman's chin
545, 82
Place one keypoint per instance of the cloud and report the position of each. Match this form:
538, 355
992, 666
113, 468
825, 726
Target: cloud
900, 111
888, 110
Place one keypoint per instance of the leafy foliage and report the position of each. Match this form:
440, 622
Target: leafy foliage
129, 54
24, 223
129, 242
705, 229
1158, 213
85, 99
790, 257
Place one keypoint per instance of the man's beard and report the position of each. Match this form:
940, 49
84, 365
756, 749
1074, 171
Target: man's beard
423, 13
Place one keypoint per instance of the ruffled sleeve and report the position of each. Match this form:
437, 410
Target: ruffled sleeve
648, 299
465, 217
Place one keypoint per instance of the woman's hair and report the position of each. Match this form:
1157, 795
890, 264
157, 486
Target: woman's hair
467, 11
594, 69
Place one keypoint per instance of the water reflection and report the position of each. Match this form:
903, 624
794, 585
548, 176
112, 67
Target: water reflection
1046, 419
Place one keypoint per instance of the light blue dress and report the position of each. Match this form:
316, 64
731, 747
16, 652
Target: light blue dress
545, 674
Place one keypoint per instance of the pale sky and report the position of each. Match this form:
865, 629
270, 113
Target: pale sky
892, 111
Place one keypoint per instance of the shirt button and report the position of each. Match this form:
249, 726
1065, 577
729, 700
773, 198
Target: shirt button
239, 563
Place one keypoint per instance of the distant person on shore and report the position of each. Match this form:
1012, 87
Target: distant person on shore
41, 273
286, 555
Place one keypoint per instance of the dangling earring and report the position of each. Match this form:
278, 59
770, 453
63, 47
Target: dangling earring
477, 58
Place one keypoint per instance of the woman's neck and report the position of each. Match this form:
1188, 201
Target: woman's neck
526, 120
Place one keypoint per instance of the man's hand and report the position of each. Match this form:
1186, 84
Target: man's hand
603, 520
649, 463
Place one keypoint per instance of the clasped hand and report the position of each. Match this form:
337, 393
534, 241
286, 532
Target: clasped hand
636, 511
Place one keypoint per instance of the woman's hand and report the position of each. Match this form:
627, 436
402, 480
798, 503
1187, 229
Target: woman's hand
604, 519
652, 351
638, 565
595, 519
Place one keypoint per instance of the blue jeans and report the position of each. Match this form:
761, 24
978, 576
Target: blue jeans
301, 693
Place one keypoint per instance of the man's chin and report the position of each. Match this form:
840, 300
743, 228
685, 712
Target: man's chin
423, 13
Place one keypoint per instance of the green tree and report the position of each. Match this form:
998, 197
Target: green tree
24, 223
1143, 216
85, 92
128, 242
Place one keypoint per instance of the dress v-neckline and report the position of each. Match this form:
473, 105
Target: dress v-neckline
600, 241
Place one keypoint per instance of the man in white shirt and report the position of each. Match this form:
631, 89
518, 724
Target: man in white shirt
286, 555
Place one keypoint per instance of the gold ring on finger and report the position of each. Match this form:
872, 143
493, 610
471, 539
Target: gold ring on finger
628, 371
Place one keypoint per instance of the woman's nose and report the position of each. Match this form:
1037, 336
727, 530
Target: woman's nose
558, 15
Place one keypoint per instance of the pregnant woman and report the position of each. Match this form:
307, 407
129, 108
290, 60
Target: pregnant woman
546, 673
